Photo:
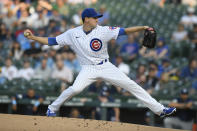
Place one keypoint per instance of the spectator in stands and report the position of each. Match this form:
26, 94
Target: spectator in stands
34, 50
193, 36
25, 17
3, 51
95, 87
130, 50
184, 116
10, 20
44, 4
138, 36
43, 71
27, 72
30, 108
49, 57
76, 18
16, 51
4, 9
63, 26
161, 51
53, 52
141, 75
152, 78
71, 62
62, 72
24, 42
105, 19
64, 49
18, 7
56, 17
147, 118
113, 114
2, 78
41, 32
125, 69
154, 65
167, 72
3, 32
62, 7
75, 113
190, 3
58, 56
6, 37
40, 13
180, 34
113, 50
189, 19
9, 71
122, 66
142, 81
51, 28
190, 72
9, 39
194, 87
40, 21
166, 67
163, 82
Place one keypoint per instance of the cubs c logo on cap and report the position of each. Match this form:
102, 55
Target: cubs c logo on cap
96, 44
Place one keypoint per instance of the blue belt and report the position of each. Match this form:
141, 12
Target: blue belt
102, 62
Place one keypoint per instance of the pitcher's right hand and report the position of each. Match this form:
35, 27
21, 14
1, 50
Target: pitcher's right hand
28, 33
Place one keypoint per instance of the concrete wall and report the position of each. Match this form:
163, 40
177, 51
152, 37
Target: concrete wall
10, 122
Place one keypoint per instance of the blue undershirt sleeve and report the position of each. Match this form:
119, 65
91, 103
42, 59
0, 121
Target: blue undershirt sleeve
52, 41
121, 32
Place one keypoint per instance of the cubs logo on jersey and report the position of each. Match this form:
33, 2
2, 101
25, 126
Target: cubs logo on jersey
96, 44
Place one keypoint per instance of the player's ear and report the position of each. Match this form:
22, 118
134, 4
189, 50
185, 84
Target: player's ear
86, 19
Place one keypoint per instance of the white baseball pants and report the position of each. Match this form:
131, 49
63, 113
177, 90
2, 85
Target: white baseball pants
110, 73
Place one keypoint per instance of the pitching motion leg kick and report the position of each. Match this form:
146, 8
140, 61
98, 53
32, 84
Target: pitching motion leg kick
108, 72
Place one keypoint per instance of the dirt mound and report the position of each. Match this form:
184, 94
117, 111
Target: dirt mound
10, 122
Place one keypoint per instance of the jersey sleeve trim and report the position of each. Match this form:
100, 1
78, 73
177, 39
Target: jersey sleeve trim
52, 41
121, 32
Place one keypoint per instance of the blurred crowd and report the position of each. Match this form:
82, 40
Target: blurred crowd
162, 3
26, 59
23, 58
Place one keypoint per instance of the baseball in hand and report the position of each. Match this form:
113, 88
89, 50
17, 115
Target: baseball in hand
26, 34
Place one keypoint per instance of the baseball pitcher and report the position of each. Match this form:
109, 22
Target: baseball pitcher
89, 42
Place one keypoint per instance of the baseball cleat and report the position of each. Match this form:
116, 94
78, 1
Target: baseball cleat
50, 113
167, 111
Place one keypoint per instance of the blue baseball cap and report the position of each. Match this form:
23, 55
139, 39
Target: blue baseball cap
90, 12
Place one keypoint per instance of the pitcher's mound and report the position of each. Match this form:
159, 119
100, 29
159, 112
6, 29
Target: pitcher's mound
10, 122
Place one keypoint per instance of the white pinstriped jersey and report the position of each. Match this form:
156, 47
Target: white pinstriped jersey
90, 49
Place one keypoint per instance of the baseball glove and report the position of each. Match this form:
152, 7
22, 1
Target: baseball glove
150, 37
